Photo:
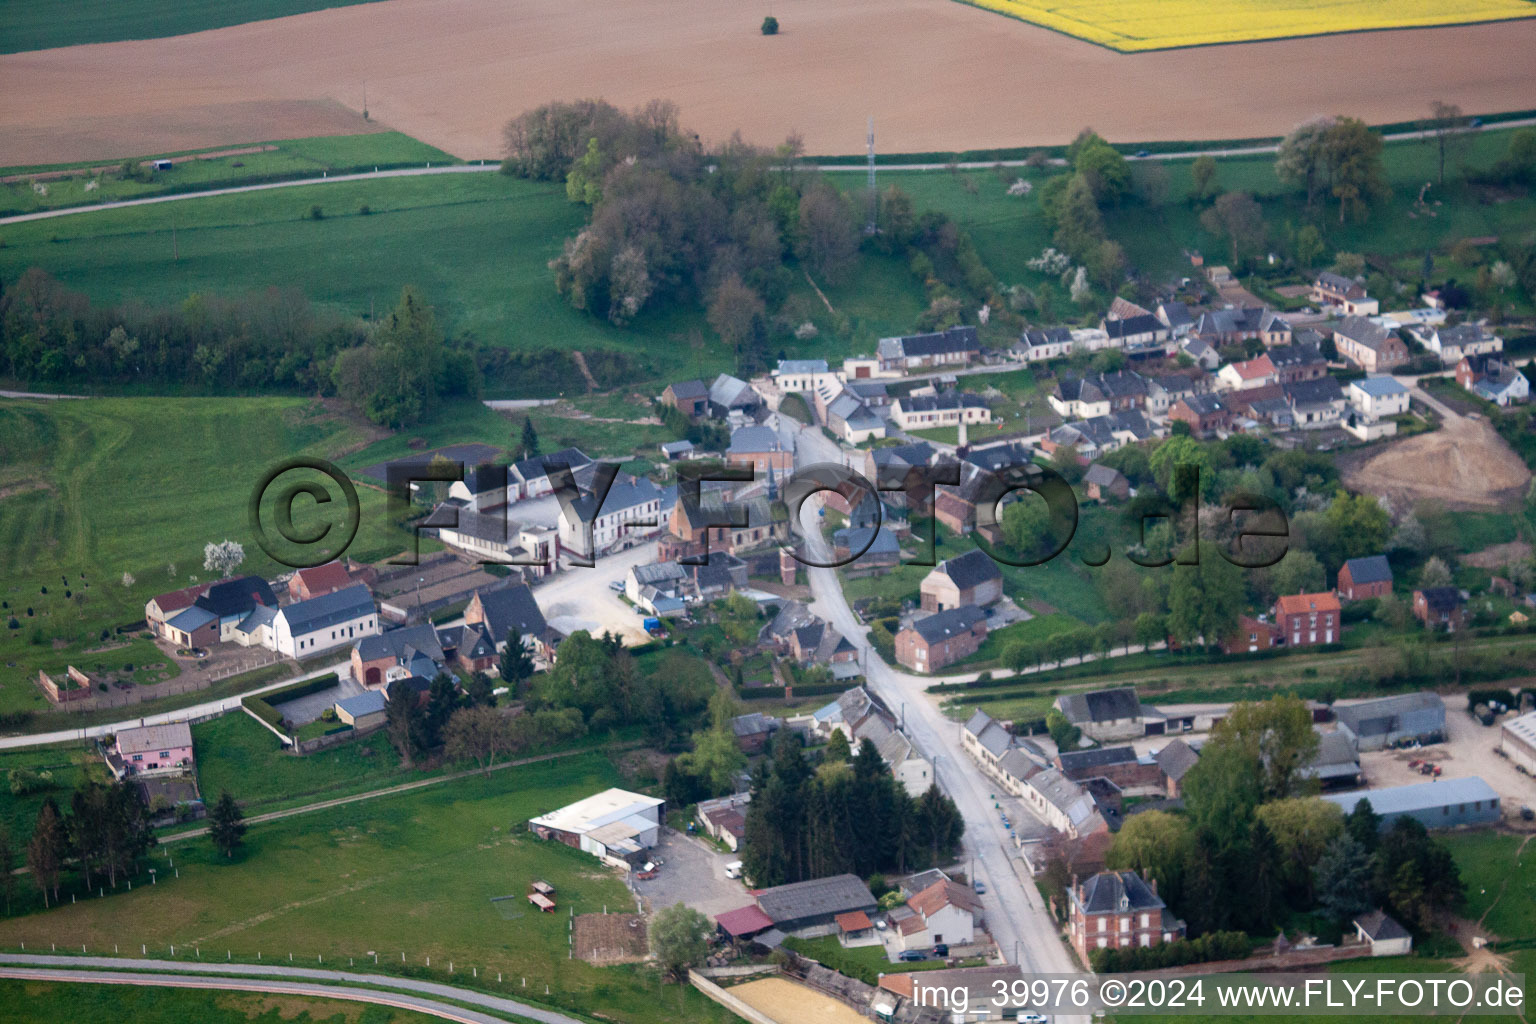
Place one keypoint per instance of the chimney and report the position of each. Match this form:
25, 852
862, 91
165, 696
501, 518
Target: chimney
787, 568
1152, 884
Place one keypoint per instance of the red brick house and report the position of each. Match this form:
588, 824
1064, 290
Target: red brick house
1363, 578
1308, 619
318, 581
1251, 635
1119, 910
1440, 608
1205, 414
689, 397
941, 639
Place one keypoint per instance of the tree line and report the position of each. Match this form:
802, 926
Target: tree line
103, 836
396, 370
1254, 843
808, 821
726, 228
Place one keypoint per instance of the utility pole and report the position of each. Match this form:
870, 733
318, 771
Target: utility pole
869, 224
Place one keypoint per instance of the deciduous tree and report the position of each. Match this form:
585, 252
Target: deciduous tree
679, 938
226, 825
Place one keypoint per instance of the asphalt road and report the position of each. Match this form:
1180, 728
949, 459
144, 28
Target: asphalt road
426, 996
483, 167
1015, 914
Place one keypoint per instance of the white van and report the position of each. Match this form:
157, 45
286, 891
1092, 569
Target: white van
733, 869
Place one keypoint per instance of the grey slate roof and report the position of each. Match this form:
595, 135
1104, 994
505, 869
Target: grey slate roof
401, 643
1100, 757
970, 569
1176, 759
328, 609
1322, 391
1102, 475
1378, 927
948, 400
942, 625
1203, 405
1370, 569
732, 392
1300, 354
880, 540
1366, 332
802, 366
511, 608
538, 467
189, 619
228, 598
366, 703
953, 340
755, 439
1442, 599
1131, 325
1115, 891
690, 389
1100, 705
989, 732
819, 897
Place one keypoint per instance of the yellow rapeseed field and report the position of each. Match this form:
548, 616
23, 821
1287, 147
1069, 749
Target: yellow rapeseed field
1131, 25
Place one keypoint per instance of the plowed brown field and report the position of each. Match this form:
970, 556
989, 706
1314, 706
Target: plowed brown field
936, 75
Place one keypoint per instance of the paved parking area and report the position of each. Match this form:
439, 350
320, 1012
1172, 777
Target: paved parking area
303, 710
694, 874
1468, 750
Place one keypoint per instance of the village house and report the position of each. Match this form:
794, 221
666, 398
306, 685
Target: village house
764, 448
1298, 361
692, 530
863, 550
859, 715
1452, 344
1338, 292
1369, 345
728, 395
1037, 345
1134, 332
1251, 635
661, 588
941, 639
317, 581
1378, 397
1131, 773
531, 478
1103, 483
363, 711
1493, 379
1362, 578
725, 818
217, 614
508, 613
851, 419
1105, 715
305, 628
801, 375
924, 412
689, 397
630, 514
151, 748
1174, 760
987, 741
968, 579
893, 463
1315, 403
161, 608
396, 654
1205, 414
948, 913
1440, 608
1221, 327
1118, 910
1308, 618
1175, 316
1063, 804
817, 643
753, 731
1251, 373
953, 347
469, 647
1205, 354
1098, 395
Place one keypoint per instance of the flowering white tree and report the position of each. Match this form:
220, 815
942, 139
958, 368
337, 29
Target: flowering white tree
128, 579
1050, 261
1081, 292
223, 557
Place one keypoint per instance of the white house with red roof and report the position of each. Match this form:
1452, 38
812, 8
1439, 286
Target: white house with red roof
1251, 373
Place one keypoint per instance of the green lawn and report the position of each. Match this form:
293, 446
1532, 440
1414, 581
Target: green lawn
477, 246
178, 473
413, 873
1501, 886
34, 1002
865, 963
1038, 628
290, 158
44, 24
69, 764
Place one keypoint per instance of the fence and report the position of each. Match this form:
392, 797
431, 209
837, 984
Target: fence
335, 739
730, 1002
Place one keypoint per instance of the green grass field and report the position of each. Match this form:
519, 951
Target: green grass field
69, 764
44, 24
100, 488
413, 873
290, 158
34, 1002
235, 753
477, 246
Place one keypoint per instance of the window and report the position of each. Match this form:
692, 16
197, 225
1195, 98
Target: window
1103, 924
165, 753
1146, 920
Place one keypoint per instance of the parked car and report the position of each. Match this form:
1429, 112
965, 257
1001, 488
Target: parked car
981, 887
1033, 1018
910, 955
941, 950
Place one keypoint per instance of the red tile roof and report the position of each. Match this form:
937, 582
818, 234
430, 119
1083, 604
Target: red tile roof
941, 894
176, 600
1305, 604
1252, 369
854, 921
322, 579
744, 921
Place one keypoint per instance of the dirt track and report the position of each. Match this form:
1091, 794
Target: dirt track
935, 74
1464, 464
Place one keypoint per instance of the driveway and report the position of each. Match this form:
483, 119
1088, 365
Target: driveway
579, 598
691, 873
1468, 750
303, 710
